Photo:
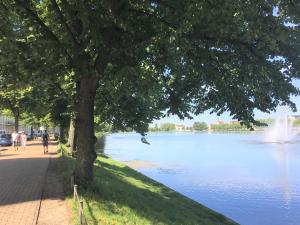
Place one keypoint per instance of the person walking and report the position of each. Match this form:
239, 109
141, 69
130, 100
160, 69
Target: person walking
45, 138
23, 140
34, 135
15, 140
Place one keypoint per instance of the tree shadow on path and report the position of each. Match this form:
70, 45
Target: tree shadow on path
21, 179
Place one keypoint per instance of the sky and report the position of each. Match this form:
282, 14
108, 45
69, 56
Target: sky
212, 118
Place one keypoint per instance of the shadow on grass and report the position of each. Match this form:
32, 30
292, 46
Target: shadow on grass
91, 213
118, 186
121, 195
128, 172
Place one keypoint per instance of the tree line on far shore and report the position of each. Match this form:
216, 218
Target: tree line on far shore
220, 126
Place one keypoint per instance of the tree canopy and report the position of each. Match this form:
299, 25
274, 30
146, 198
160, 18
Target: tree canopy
136, 60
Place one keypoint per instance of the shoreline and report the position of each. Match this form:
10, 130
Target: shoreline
122, 195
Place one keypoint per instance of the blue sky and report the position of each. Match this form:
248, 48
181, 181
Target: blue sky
212, 118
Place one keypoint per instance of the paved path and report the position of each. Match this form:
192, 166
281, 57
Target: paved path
54, 209
22, 179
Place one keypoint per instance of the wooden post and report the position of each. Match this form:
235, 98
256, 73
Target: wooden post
75, 191
81, 212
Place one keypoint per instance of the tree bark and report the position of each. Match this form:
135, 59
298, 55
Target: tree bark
61, 133
31, 131
16, 117
86, 154
72, 136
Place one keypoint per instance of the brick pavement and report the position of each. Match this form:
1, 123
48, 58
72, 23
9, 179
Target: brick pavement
54, 209
22, 179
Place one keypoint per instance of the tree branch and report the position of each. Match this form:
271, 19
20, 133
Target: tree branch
164, 3
45, 29
63, 20
101, 61
3, 5
200, 35
153, 16
65, 3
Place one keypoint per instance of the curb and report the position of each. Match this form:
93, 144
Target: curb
37, 211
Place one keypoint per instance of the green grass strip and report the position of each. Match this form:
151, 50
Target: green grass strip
121, 195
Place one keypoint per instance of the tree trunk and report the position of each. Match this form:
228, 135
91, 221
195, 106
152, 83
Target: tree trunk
70, 133
17, 117
61, 133
86, 154
31, 131
72, 137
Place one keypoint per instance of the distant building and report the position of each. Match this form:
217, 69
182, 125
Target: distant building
8, 125
179, 127
294, 117
219, 122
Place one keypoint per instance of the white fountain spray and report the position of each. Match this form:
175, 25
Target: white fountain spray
281, 131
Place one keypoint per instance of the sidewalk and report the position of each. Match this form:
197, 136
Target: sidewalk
24, 180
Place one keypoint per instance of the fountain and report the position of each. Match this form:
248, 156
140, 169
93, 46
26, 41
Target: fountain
281, 131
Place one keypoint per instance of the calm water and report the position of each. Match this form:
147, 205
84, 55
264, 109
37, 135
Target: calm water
238, 175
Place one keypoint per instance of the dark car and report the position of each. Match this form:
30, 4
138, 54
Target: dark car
39, 133
30, 137
5, 140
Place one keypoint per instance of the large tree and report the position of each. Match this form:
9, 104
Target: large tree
15, 99
15, 91
23, 90
180, 56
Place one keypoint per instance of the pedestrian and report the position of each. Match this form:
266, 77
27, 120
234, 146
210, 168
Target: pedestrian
34, 135
45, 138
15, 140
23, 140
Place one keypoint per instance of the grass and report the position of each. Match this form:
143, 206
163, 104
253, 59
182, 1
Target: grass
120, 195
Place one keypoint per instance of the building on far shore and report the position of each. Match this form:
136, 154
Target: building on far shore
179, 127
220, 122
294, 117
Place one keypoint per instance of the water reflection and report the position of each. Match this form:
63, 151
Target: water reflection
280, 154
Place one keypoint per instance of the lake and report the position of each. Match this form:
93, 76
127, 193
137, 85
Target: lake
236, 174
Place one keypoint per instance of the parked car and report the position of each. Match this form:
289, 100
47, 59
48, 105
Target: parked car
5, 140
30, 137
39, 133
